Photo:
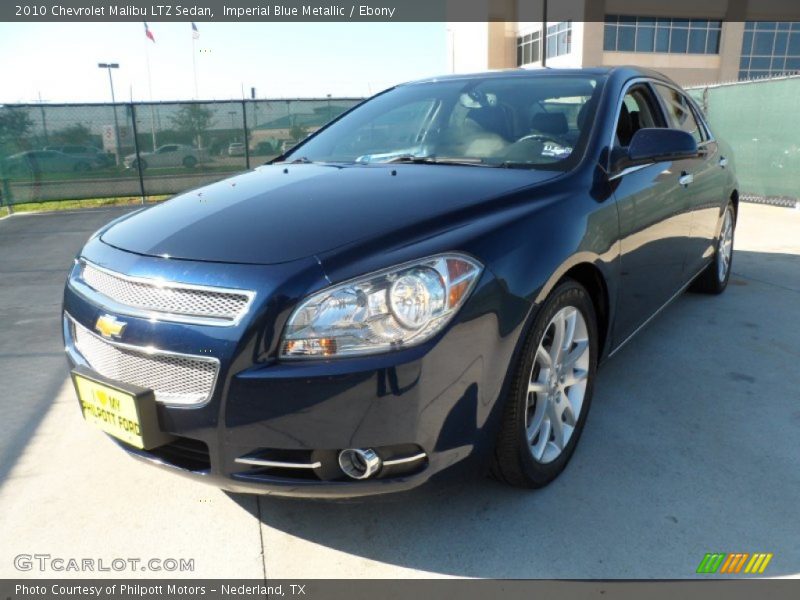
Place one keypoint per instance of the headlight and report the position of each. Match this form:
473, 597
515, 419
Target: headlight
387, 310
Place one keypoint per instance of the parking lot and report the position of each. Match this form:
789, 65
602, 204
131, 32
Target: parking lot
692, 446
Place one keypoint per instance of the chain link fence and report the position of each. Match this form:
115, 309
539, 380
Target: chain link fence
82, 151
759, 119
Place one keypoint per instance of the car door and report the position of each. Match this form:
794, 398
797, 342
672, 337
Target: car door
48, 161
167, 156
654, 218
704, 176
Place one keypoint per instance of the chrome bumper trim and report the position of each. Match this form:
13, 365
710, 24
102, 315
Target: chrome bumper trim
404, 460
260, 462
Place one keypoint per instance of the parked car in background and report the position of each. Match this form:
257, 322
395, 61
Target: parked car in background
169, 155
44, 161
421, 290
236, 149
93, 155
263, 149
287, 145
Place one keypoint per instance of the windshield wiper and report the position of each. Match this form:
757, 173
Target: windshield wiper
297, 161
510, 164
435, 160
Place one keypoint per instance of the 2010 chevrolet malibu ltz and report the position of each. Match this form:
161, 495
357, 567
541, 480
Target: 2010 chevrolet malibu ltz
421, 290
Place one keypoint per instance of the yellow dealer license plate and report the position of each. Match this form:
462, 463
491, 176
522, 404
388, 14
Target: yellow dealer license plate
126, 412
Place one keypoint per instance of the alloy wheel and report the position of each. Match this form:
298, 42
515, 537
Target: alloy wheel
557, 384
725, 249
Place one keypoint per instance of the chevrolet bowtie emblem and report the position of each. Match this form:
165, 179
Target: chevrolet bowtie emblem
109, 327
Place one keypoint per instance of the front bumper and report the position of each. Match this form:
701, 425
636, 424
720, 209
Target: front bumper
435, 403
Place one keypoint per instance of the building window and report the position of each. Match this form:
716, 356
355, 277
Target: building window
557, 43
769, 48
649, 34
528, 48
559, 39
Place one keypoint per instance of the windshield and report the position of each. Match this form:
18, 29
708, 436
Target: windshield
537, 122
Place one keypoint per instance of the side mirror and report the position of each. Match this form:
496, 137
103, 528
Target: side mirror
650, 145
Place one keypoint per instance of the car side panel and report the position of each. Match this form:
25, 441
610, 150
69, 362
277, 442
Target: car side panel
655, 223
707, 196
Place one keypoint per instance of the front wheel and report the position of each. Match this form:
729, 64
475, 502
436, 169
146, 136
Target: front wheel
551, 390
714, 278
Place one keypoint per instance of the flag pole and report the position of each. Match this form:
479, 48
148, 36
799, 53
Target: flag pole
194, 65
150, 89
195, 37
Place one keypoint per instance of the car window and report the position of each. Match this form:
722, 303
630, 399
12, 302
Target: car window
165, 149
536, 122
401, 127
679, 112
637, 112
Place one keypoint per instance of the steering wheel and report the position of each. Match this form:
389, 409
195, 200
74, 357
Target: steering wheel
532, 147
541, 137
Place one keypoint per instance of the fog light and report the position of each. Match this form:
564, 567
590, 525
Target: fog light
358, 463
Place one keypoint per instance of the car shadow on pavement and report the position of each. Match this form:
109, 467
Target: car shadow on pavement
690, 447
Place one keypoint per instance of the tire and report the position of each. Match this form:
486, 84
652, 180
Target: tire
190, 162
523, 457
135, 164
714, 278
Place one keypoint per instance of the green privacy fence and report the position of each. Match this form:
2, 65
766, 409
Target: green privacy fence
78, 151
760, 119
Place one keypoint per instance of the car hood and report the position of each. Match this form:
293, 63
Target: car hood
280, 213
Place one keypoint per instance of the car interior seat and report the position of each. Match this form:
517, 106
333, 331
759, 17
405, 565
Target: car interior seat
486, 131
547, 123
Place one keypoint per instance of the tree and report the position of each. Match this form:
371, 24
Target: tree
73, 134
15, 124
297, 132
194, 120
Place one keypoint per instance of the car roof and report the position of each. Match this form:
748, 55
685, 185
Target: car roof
622, 72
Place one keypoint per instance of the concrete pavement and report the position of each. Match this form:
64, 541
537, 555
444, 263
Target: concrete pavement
691, 447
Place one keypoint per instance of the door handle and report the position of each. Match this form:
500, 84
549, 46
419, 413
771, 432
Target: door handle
723, 162
686, 178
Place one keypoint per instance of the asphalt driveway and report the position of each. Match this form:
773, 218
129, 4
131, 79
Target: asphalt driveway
692, 446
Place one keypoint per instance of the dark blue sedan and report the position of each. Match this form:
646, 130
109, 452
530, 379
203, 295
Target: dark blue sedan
422, 289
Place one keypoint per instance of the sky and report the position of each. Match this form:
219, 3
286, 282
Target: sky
281, 60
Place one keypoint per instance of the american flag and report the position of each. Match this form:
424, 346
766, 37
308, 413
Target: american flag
149, 33
195, 33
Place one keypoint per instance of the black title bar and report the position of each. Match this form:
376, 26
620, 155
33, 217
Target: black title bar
418, 589
381, 10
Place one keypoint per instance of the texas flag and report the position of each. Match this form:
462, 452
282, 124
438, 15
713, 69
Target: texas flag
195, 33
149, 33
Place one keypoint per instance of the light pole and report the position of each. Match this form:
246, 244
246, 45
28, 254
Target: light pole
232, 113
108, 67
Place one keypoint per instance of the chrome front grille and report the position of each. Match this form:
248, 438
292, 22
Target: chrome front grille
167, 300
174, 378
